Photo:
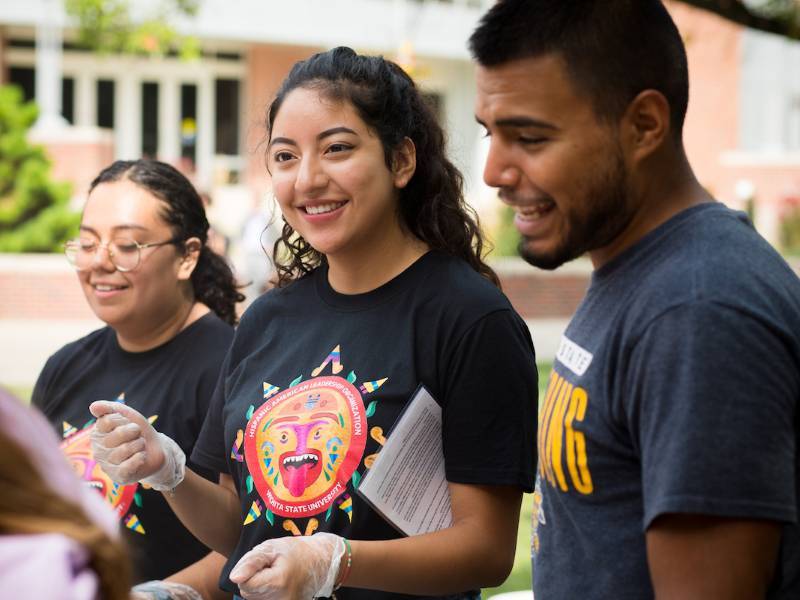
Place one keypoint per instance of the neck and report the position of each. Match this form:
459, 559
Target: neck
138, 339
368, 269
657, 196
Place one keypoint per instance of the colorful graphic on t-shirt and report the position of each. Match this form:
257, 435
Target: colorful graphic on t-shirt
303, 445
78, 449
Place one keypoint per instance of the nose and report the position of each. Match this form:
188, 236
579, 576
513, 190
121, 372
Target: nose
101, 261
500, 170
310, 176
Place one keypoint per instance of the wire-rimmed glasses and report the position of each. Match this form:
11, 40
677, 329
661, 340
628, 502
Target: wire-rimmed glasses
125, 253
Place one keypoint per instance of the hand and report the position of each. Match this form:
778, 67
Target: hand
128, 449
290, 568
164, 590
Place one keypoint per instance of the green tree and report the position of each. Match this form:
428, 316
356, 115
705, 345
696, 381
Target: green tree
506, 238
106, 26
34, 210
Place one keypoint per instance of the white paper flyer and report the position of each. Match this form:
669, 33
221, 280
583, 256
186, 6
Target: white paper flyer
406, 483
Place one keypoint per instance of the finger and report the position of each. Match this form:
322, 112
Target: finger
120, 454
104, 407
251, 563
127, 432
108, 423
266, 583
129, 468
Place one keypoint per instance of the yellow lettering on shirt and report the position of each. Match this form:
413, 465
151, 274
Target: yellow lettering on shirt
564, 406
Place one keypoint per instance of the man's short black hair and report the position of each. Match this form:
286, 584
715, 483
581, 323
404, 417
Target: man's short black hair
613, 49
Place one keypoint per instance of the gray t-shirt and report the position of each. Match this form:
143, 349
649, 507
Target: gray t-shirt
675, 390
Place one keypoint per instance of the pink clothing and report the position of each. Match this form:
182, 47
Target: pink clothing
28, 428
51, 566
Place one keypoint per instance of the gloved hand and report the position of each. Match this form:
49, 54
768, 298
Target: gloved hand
128, 449
293, 568
164, 590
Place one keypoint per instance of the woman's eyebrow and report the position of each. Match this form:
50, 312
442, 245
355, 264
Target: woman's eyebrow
334, 131
115, 227
320, 136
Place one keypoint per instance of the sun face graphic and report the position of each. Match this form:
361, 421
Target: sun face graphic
78, 450
302, 445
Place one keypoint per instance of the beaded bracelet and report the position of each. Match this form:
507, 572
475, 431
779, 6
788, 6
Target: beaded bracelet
347, 565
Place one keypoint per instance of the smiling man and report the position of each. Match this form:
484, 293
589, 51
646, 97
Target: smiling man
668, 434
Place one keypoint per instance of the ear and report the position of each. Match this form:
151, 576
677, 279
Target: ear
404, 163
646, 124
191, 254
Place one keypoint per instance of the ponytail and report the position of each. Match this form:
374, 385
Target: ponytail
215, 286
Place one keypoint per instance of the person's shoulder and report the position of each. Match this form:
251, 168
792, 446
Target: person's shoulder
453, 281
210, 325
91, 343
721, 253
713, 257
278, 300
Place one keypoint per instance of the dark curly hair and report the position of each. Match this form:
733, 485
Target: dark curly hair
212, 279
432, 205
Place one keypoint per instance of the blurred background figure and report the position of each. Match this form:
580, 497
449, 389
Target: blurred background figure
260, 231
58, 539
217, 241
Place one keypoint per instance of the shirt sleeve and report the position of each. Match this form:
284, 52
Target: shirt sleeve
209, 449
490, 404
712, 395
41, 389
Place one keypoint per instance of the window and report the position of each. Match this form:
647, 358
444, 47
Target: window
188, 124
68, 99
227, 117
25, 78
105, 103
149, 119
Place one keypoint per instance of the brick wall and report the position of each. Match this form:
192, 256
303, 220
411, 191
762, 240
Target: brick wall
44, 287
40, 287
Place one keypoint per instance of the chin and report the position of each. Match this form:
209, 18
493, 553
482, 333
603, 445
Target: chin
544, 260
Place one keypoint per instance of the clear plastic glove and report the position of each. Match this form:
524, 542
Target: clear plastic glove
290, 568
164, 590
128, 449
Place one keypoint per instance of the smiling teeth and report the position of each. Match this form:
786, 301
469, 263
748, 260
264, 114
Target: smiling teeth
323, 208
107, 288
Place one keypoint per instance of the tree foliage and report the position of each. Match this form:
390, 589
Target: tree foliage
781, 17
107, 26
34, 210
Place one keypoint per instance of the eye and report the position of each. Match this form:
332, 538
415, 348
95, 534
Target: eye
125, 246
87, 245
339, 147
282, 156
284, 437
531, 140
317, 434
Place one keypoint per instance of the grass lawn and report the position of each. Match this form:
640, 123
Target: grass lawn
23, 392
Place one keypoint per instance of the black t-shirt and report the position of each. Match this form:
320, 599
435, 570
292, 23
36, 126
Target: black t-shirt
675, 390
320, 378
172, 386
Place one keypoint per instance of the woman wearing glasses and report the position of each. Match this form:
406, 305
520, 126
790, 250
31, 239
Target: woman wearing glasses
169, 305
